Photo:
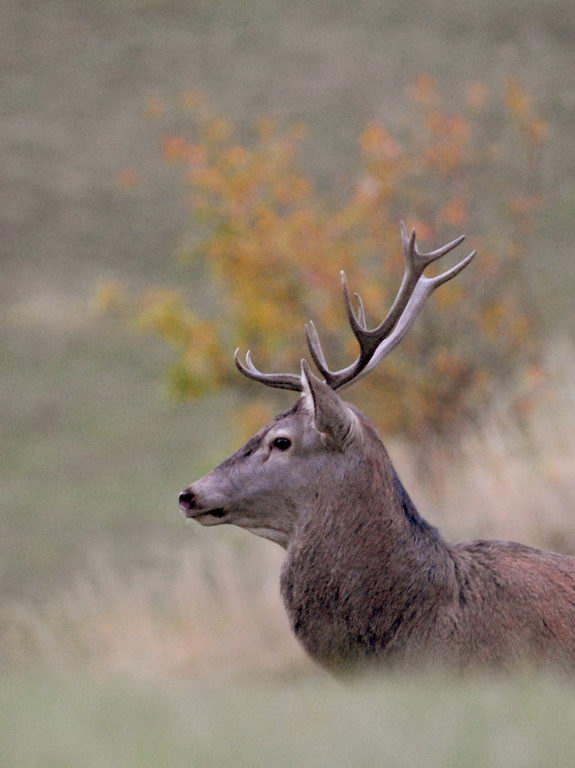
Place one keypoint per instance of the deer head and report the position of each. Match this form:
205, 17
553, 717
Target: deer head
315, 449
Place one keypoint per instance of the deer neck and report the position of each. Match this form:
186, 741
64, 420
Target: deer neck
361, 558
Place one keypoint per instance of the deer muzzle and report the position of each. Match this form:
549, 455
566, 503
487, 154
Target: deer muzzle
194, 509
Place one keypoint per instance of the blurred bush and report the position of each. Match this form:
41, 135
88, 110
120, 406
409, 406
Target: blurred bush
268, 245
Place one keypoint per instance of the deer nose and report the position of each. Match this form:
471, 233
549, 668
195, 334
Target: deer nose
187, 500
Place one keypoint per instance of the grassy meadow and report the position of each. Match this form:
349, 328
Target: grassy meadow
128, 636
403, 722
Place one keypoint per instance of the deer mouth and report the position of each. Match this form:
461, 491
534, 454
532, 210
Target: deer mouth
207, 516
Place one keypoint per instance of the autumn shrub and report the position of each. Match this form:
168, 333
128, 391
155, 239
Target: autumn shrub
267, 247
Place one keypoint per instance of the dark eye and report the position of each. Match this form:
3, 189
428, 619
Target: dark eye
281, 443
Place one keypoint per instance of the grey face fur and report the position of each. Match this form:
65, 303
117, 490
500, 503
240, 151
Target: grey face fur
276, 477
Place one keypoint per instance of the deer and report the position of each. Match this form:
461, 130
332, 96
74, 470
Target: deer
366, 579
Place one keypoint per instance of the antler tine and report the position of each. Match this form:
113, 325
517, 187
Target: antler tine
316, 350
407, 240
278, 380
450, 273
360, 311
357, 325
250, 363
439, 252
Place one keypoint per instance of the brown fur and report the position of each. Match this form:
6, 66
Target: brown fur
366, 578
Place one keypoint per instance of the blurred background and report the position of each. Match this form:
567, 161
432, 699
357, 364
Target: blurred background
158, 158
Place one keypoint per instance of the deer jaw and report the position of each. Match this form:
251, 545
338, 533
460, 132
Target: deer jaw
268, 486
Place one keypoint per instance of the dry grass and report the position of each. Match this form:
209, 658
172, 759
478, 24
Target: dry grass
193, 612
510, 477
216, 610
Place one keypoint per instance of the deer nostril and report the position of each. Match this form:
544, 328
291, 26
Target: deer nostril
187, 500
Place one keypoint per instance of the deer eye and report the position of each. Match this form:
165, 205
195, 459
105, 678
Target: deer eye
281, 443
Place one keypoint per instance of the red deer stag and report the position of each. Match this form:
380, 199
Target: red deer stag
365, 576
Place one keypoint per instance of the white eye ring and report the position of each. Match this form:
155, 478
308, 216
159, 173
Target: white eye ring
281, 443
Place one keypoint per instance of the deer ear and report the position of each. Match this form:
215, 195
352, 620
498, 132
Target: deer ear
332, 417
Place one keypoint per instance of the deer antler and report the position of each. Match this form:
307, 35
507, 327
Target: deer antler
377, 343
278, 380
